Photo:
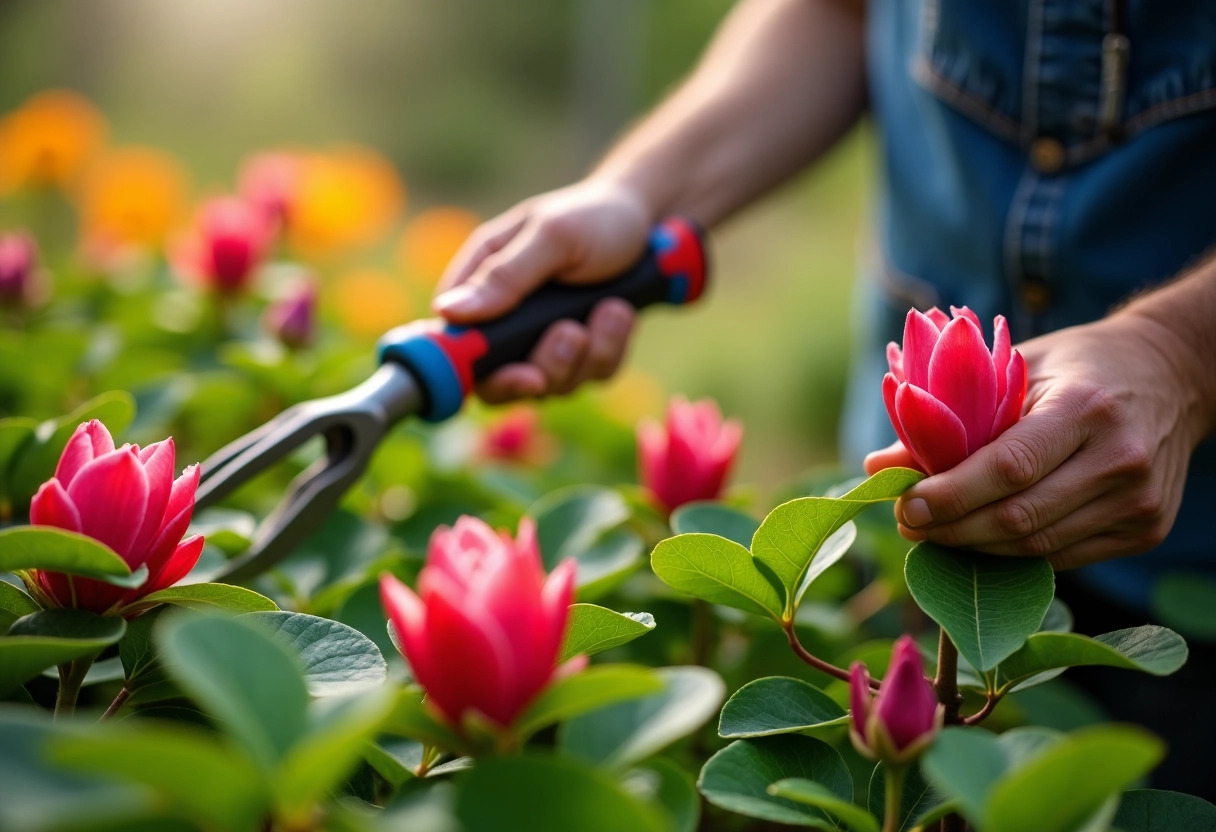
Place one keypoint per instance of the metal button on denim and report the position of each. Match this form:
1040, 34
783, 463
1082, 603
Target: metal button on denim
1036, 297
1047, 155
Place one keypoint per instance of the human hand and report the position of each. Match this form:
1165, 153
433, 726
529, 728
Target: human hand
1093, 471
584, 233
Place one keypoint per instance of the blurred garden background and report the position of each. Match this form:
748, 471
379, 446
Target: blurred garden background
437, 113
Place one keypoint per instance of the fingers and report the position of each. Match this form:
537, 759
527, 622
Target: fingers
892, 456
490, 237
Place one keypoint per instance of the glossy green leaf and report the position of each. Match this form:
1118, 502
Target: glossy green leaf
1149, 649
41, 547
792, 535
593, 688
778, 705
717, 570
586, 523
920, 800
737, 778
52, 637
548, 794
627, 732
715, 518
663, 783
193, 771
250, 681
336, 659
394, 758
14, 603
964, 764
988, 605
207, 596
594, 629
811, 793
1150, 810
1184, 601
137, 649
15, 434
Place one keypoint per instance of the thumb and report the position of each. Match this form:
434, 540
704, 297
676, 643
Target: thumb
506, 277
892, 456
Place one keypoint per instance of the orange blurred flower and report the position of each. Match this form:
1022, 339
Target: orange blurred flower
631, 395
432, 239
48, 140
346, 198
369, 302
132, 197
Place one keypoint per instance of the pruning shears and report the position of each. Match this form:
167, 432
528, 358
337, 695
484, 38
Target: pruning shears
427, 368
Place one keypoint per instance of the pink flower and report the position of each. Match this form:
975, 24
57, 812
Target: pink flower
127, 499
946, 394
899, 723
516, 436
227, 245
271, 182
18, 268
688, 458
292, 318
484, 631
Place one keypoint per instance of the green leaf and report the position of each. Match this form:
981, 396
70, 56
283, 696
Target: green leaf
51, 637
1185, 601
988, 605
778, 705
963, 764
395, 759
317, 764
336, 659
1149, 649
920, 800
717, 570
793, 533
662, 782
737, 778
811, 793
1150, 810
627, 732
207, 596
42, 547
227, 529
1071, 780
501, 795
586, 523
136, 650
14, 603
593, 688
241, 675
15, 433
594, 629
198, 773
715, 518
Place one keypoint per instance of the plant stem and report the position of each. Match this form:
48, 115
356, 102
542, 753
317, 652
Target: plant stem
893, 779
982, 714
71, 677
122, 697
816, 662
946, 682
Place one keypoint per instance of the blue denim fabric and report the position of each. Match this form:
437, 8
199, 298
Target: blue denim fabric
965, 93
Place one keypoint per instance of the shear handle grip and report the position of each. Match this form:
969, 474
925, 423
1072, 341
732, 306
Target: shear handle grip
449, 360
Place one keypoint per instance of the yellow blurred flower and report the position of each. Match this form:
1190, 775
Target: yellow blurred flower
632, 395
347, 198
48, 140
432, 238
369, 302
132, 196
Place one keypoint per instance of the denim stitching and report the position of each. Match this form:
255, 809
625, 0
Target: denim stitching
965, 102
1030, 80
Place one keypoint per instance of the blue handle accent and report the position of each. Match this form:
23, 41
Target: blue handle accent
431, 367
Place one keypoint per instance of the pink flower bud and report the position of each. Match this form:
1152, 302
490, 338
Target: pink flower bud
127, 499
18, 268
688, 458
947, 394
292, 317
899, 723
483, 633
271, 182
516, 436
227, 245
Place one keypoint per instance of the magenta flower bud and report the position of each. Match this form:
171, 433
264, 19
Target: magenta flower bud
484, 630
271, 182
226, 246
898, 724
292, 318
690, 456
947, 394
127, 499
18, 268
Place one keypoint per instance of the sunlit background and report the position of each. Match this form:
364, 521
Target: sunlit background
419, 117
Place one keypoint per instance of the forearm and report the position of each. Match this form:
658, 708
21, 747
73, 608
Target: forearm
780, 83
1179, 320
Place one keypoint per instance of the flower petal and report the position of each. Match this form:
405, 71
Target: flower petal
1010, 408
158, 462
89, 441
175, 567
111, 494
906, 705
937, 439
895, 360
920, 337
1001, 348
965, 312
962, 378
52, 506
859, 696
889, 389
938, 317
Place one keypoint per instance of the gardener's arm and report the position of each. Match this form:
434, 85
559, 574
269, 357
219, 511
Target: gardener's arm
1096, 467
782, 81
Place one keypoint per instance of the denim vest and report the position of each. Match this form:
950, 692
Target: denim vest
1044, 160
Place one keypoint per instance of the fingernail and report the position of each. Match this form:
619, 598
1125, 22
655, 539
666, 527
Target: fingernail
458, 299
916, 513
618, 321
564, 348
